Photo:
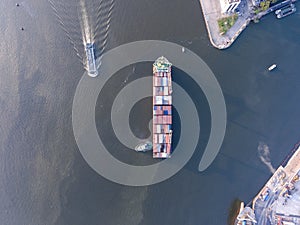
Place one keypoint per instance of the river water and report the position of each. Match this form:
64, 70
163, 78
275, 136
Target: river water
45, 180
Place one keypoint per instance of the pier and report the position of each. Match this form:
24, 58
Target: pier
273, 9
277, 201
212, 12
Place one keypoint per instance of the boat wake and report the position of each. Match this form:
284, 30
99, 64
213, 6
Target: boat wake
104, 14
93, 18
86, 28
264, 155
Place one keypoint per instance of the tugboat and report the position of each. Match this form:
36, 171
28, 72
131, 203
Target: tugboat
272, 67
143, 147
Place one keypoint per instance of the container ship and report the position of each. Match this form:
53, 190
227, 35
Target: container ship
162, 108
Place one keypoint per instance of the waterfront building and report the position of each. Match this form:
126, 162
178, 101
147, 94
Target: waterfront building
228, 6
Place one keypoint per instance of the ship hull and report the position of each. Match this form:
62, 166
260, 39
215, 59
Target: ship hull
162, 108
91, 60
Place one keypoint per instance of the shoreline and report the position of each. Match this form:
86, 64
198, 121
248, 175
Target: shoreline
211, 9
273, 200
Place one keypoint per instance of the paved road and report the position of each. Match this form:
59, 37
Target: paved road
212, 12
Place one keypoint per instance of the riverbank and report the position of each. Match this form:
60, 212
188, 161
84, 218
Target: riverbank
212, 12
278, 199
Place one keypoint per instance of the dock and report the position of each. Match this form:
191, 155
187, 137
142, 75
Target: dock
273, 9
279, 200
212, 13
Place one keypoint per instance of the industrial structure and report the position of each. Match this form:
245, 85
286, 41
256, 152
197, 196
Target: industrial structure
278, 202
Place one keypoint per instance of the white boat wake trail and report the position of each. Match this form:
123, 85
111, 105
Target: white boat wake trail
264, 155
84, 21
64, 14
103, 18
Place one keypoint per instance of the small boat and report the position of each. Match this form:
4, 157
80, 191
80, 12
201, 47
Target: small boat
272, 67
143, 147
183, 49
91, 59
285, 11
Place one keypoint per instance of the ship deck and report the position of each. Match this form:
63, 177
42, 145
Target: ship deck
162, 108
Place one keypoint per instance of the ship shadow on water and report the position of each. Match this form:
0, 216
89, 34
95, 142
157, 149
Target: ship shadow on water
233, 211
199, 99
140, 117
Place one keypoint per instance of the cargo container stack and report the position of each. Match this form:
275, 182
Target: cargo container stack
162, 108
